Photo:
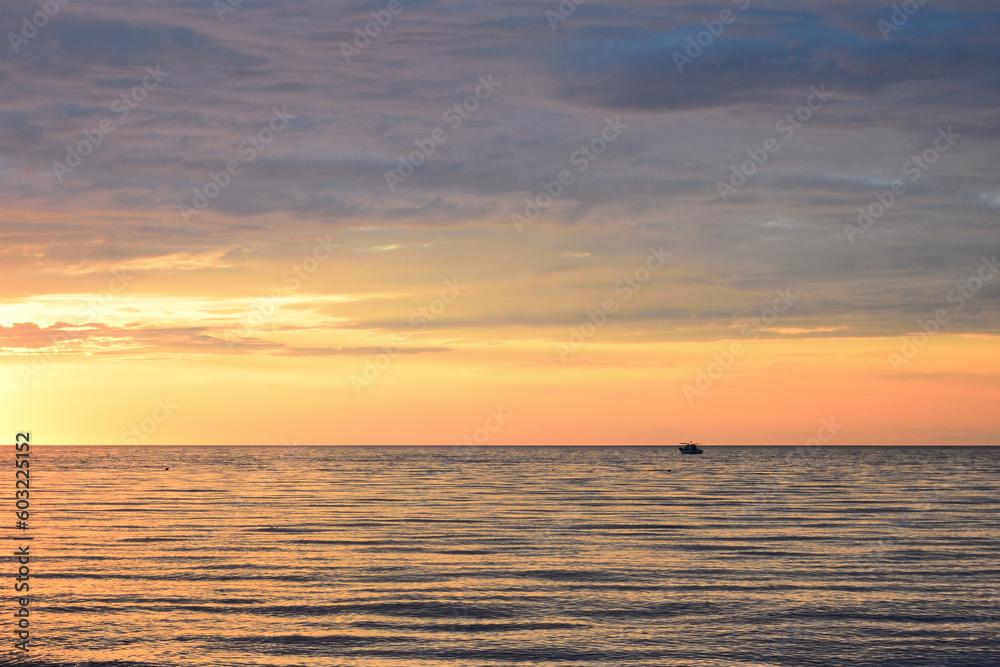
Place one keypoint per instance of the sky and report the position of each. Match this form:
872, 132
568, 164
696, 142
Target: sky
440, 222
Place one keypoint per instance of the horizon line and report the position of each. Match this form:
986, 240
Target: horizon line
481, 446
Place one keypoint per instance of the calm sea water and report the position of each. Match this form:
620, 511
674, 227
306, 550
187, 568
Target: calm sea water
384, 557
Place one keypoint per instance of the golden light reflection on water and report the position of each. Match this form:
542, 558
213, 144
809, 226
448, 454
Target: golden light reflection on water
542, 556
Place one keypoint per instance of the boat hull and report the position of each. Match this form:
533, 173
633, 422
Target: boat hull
698, 452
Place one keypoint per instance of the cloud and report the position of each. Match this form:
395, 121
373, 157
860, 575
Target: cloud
354, 351
325, 173
748, 64
98, 339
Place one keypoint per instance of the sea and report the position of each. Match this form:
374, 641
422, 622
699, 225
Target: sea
500, 556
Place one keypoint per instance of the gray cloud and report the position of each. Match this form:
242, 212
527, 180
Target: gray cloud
658, 181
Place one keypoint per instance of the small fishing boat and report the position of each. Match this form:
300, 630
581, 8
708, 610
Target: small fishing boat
690, 448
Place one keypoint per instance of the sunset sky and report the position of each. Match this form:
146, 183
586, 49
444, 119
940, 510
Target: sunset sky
500, 223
